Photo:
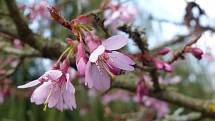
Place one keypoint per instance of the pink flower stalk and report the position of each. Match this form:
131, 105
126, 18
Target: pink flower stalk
162, 65
104, 61
141, 90
160, 107
55, 90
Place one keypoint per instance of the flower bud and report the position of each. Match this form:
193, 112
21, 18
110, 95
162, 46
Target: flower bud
163, 51
197, 52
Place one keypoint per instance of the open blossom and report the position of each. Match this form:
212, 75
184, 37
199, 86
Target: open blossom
55, 90
104, 62
39, 10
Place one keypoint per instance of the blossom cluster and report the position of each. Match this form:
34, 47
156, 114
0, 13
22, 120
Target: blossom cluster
97, 60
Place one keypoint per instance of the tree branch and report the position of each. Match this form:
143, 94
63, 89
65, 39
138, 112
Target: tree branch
129, 83
46, 47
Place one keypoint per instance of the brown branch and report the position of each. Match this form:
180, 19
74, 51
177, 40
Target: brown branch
137, 35
180, 53
50, 49
10, 33
168, 95
179, 39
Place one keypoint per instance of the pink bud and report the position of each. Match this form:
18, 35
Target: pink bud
81, 59
197, 52
158, 64
141, 90
167, 67
163, 51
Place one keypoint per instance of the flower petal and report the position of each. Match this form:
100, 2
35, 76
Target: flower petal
69, 86
101, 78
54, 97
40, 93
121, 61
88, 79
96, 53
123, 57
81, 66
30, 84
115, 42
69, 96
53, 74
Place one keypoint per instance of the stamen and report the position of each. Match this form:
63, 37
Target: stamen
46, 102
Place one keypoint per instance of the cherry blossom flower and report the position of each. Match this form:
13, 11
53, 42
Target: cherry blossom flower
39, 10
160, 107
104, 61
55, 90
118, 95
117, 15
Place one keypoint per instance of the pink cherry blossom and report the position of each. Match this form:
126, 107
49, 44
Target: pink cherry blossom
160, 107
118, 95
104, 60
39, 9
119, 14
55, 90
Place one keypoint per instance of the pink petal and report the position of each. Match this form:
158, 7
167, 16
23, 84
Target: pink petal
53, 74
30, 84
115, 42
69, 97
81, 66
88, 79
96, 53
121, 61
69, 86
60, 105
54, 97
100, 77
123, 57
40, 93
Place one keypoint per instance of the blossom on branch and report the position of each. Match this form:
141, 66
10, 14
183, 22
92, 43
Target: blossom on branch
104, 61
55, 89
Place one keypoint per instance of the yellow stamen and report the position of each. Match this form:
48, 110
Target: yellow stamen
46, 101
